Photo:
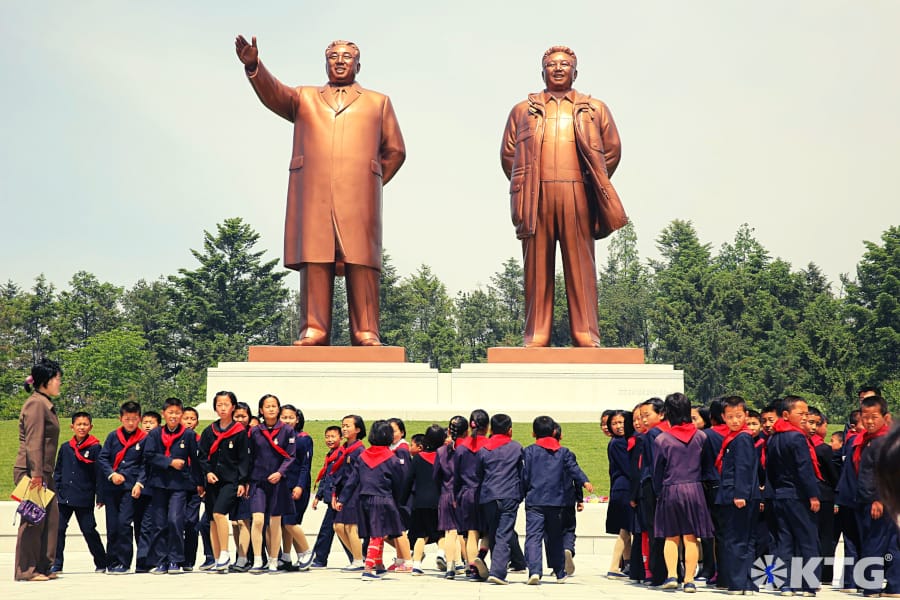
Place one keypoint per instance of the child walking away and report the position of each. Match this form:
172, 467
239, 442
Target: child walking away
466, 485
443, 474
376, 480
121, 464
681, 514
421, 491
500, 471
172, 458
225, 458
298, 481
324, 489
548, 470
737, 498
877, 529
401, 449
346, 521
272, 448
620, 514
793, 473
653, 416
76, 477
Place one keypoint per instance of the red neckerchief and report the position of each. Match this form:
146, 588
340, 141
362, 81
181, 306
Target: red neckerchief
270, 435
817, 439
782, 426
344, 451
496, 440
460, 441
332, 456
761, 446
861, 441
663, 426
547, 443
136, 437
428, 456
401, 444
233, 429
375, 455
631, 442
169, 438
721, 429
474, 443
732, 435
77, 448
684, 432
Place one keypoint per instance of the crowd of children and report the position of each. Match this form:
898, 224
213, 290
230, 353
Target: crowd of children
455, 487
752, 492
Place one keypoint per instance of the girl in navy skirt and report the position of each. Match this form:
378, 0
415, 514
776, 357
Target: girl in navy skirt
298, 481
376, 482
240, 515
457, 431
681, 512
620, 515
400, 447
272, 451
466, 484
346, 520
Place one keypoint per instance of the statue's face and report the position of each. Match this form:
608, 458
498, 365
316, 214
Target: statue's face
559, 72
341, 65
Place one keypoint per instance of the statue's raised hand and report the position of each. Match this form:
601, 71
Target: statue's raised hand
247, 52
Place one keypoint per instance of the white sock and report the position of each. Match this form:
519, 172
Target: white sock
304, 556
223, 557
273, 565
451, 566
440, 552
286, 557
241, 561
417, 564
257, 562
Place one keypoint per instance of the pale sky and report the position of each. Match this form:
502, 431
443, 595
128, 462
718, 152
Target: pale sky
127, 128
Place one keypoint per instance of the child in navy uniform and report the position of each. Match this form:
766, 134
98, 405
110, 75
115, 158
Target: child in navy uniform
324, 490
737, 497
298, 481
376, 481
620, 514
548, 469
443, 472
681, 514
422, 491
500, 471
173, 458
653, 416
346, 521
121, 463
76, 477
793, 473
466, 484
195, 527
225, 458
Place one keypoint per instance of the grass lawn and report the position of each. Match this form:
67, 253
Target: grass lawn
585, 439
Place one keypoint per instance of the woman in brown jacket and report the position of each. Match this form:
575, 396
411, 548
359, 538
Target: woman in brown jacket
38, 443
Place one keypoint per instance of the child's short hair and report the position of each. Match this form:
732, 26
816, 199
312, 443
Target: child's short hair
193, 410
839, 435
677, 409
381, 433
557, 431
227, 394
627, 419
869, 389
542, 426
173, 402
361, 425
606, 413
334, 428
870, 401
400, 425
853, 417
789, 401
418, 439
457, 427
752, 414
434, 438
301, 420
733, 402
716, 411
501, 424
263, 401
131, 407
657, 404
153, 415
768, 408
815, 412
478, 420
82, 414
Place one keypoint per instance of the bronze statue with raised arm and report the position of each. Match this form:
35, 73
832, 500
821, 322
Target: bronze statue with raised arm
347, 146
559, 149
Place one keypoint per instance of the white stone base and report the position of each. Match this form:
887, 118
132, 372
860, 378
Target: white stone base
570, 393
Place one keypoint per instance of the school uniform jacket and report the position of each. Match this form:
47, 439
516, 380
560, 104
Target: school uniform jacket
789, 467
161, 474
619, 465
647, 451
326, 484
829, 471
421, 489
739, 476
299, 473
131, 467
867, 490
500, 471
442, 470
546, 475
76, 480
231, 461
465, 469
264, 459
385, 479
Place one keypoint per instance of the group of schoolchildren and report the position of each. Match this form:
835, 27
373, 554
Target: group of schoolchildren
457, 487
745, 488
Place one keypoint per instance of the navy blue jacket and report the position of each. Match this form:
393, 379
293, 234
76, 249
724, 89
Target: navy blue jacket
500, 471
326, 484
264, 459
789, 467
546, 475
848, 483
298, 475
739, 476
76, 481
829, 471
647, 453
635, 467
867, 490
161, 474
231, 462
465, 470
711, 448
617, 456
131, 467
385, 480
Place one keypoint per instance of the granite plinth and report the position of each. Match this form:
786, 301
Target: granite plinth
327, 354
596, 356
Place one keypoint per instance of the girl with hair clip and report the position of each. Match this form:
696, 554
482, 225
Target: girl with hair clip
346, 521
375, 483
466, 484
298, 481
620, 516
272, 453
681, 514
457, 433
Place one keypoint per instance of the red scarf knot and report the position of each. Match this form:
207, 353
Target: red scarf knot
861, 441
428, 456
548, 443
732, 435
222, 435
782, 426
136, 437
77, 448
273, 442
684, 433
169, 438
